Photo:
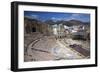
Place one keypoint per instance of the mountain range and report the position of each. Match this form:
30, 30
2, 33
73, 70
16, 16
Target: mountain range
67, 23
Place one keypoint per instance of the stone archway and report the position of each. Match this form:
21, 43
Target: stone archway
33, 29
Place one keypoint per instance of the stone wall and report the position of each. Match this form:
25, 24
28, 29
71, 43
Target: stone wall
33, 25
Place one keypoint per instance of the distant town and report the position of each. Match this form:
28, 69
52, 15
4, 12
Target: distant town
53, 39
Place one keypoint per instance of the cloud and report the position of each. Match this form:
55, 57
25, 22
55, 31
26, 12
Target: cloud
56, 19
74, 16
81, 17
34, 16
53, 18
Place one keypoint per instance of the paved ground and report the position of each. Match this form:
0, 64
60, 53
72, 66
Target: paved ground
48, 48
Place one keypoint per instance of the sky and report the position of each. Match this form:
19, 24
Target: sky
57, 16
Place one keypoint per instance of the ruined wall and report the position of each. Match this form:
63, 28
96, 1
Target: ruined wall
31, 26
